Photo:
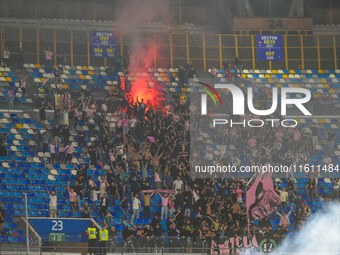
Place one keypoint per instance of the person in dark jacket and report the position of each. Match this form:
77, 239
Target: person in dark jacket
181, 76
237, 65
104, 204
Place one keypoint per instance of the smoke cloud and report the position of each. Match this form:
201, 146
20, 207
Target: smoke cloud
320, 235
132, 18
142, 48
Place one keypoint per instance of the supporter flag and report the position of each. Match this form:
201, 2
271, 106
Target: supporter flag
101, 164
151, 139
261, 198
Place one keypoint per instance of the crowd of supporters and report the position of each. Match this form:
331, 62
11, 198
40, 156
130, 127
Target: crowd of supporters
147, 151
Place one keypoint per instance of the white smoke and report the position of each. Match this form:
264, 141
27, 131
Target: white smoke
319, 235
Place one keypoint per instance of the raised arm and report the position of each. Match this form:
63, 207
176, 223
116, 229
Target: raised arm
279, 214
294, 195
179, 211
290, 212
49, 105
161, 155
159, 194
89, 101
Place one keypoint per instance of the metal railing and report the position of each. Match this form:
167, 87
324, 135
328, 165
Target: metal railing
137, 245
142, 245
100, 250
174, 49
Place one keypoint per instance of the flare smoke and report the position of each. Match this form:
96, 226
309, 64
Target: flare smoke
141, 47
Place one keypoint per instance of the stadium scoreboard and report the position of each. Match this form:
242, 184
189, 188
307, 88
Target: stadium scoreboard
57, 237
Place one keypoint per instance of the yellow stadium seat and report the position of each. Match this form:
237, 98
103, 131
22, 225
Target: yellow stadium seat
90, 73
1, 74
270, 80
323, 80
279, 85
65, 86
42, 79
166, 79
55, 66
37, 66
275, 72
8, 79
267, 76
291, 71
285, 76
321, 120
297, 85
85, 68
184, 89
244, 76
331, 91
326, 86
82, 77
320, 71
19, 125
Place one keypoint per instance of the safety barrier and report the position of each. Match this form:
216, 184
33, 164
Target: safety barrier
174, 49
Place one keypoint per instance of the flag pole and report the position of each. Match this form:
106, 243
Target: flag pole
27, 233
248, 223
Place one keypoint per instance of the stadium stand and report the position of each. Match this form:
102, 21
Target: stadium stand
27, 166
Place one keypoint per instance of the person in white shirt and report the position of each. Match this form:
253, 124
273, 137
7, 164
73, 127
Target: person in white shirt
284, 218
136, 205
132, 124
119, 151
178, 184
48, 58
53, 203
327, 160
7, 54
284, 198
94, 197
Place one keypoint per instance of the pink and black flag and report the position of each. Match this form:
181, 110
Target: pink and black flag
261, 198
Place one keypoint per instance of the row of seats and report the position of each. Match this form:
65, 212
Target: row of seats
11, 232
